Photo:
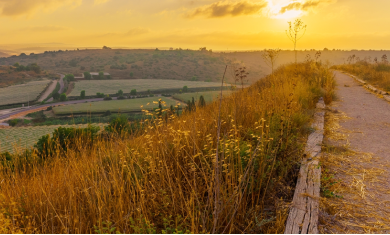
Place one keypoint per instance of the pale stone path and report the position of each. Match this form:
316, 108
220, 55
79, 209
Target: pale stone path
369, 115
365, 206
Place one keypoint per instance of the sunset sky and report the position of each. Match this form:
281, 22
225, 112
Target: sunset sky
220, 25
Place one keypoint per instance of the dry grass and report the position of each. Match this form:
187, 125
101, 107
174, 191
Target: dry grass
358, 182
165, 178
376, 74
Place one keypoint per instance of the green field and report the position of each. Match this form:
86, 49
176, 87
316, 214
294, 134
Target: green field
209, 96
22, 93
21, 138
114, 106
92, 87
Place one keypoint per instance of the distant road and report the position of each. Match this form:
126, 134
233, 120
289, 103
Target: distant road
5, 116
48, 91
62, 87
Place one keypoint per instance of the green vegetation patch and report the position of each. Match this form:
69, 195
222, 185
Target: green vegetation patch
114, 106
209, 96
22, 93
21, 138
92, 87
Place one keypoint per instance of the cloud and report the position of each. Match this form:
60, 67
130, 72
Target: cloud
46, 28
223, 9
302, 6
27, 7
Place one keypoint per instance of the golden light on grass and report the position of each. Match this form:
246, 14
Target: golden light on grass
164, 177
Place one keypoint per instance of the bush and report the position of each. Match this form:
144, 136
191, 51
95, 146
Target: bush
120, 93
119, 125
82, 94
87, 75
100, 95
63, 97
121, 97
69, 77
131, 74
101, 75
107, 98
185, 89
13, 122
133, 92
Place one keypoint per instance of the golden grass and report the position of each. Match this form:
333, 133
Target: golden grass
357, 205
375, 74
227, 168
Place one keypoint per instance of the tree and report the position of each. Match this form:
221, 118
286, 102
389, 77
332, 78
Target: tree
131, 74
133, 92
120, 93
56, 96
270, 56
185, 88
82, 94
69, 77
87, 75
63, 97
295, 33
101, 75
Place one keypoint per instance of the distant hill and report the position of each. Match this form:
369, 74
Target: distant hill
137, 64
174, 64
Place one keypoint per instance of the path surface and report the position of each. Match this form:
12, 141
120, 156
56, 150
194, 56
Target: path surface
370, 116
364, 173
48, 91
62, 87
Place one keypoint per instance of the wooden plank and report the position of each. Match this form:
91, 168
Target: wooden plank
303, 216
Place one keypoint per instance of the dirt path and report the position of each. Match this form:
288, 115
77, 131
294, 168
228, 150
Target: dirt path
48, 91
62, 87
359, 158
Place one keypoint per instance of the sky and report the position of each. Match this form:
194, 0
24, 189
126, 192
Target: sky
218, 25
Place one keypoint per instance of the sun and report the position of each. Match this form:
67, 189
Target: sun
276, 5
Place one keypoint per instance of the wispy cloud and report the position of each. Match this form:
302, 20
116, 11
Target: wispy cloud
27, 7
46, 28
224, 9
303, 6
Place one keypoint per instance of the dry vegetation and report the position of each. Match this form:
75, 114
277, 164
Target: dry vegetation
142, 64
229, 167
9, 76
377, 74
351, 186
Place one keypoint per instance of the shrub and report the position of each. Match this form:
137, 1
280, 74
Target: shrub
119, 125
107, 98
100, 95
82, 94
120, 93
131, 74
69, 77
63, 97
133, 92
185, 89
87, 75
121, 97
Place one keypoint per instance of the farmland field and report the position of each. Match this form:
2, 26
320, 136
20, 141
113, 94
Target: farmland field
209, 96
22, 93
114, 106
91, 87
21, 138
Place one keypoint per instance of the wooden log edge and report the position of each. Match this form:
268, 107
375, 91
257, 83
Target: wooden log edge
303, 215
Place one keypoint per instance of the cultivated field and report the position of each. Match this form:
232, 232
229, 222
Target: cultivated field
21, 138
22, 93
91, 87
209, 96
114, 106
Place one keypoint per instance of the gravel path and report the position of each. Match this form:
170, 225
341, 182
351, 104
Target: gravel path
364, 173
370, 116
48, 91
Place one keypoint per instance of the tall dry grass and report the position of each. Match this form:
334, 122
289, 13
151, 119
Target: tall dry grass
376, 74
165, 178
